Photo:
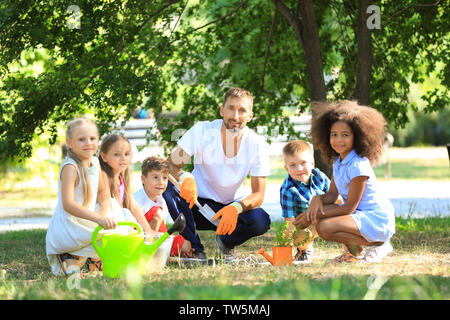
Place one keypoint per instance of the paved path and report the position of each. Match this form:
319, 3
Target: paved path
415, 198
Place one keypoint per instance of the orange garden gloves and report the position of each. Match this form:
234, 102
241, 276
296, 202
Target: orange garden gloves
188, 189
229, 216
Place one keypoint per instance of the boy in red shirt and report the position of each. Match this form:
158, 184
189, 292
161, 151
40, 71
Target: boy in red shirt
155, 174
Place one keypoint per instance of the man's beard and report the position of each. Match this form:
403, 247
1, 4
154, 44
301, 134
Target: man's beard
232, 130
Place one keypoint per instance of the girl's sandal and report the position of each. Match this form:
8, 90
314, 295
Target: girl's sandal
64, 264
94, 264
345, 257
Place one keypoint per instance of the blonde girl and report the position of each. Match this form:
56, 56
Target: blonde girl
115, 158
68, 238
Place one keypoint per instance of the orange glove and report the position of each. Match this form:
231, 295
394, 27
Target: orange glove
188, 188
229, 216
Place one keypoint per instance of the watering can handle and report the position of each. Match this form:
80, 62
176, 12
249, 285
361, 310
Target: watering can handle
120, 223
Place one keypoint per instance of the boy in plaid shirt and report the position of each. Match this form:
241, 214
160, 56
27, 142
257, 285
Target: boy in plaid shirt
301, 185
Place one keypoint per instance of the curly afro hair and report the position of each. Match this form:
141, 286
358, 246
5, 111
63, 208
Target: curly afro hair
368, 126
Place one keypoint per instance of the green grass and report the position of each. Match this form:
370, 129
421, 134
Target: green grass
417, 269
419, 169
406, 169
346, 287
23, 196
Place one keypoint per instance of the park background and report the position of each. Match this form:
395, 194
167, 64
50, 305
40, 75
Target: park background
171, 63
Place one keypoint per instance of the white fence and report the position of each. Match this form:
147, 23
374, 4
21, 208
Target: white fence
136, 129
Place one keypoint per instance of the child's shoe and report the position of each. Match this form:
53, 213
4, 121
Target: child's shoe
351, 254
345, 257
94, 264
71, 263
377, 253
303, 256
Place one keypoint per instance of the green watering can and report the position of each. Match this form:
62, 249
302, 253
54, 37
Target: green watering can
121, 251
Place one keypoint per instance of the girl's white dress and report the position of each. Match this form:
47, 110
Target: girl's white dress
67, 233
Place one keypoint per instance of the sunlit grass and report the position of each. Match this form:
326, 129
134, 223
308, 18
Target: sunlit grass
416, 269
29, 199
417, 169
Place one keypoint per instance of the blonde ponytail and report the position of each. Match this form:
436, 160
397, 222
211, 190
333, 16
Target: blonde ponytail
84, 177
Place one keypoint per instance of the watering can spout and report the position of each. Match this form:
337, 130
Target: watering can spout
150, 249
178, 226
265, 255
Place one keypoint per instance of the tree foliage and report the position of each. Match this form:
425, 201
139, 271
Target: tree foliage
108, 66
153, 54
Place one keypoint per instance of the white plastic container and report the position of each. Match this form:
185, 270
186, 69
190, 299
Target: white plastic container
159, 260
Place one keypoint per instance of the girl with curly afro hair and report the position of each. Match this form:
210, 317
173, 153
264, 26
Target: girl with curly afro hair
350, 137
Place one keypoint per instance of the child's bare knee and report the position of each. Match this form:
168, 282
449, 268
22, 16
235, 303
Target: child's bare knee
323, 229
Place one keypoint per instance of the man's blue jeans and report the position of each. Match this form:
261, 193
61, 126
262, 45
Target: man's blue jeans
250, 224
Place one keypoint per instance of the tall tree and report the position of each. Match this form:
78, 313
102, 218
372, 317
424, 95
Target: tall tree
364, 55
134, 53
304, 24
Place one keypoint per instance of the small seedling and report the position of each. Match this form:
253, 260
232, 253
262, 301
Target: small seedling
284, 238
294, 237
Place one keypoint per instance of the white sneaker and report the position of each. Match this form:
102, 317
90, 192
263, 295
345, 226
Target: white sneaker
377, 253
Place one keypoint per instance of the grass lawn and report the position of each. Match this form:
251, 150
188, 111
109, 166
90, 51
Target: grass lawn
417, 269
402, 168
419, 169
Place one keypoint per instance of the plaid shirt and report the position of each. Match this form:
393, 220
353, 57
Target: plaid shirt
295, 196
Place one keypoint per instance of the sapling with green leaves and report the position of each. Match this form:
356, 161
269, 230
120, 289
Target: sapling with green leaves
284, 236
290, 236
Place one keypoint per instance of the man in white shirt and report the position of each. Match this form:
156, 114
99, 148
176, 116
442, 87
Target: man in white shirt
225, 151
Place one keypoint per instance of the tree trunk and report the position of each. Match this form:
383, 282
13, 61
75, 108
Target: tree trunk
364, 62
307, 32
305, 27
311, 48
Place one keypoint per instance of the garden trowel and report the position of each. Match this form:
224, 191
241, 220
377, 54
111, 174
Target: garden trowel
205, 210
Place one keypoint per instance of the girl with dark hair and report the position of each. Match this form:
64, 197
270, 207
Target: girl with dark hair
350, 137
115, 158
